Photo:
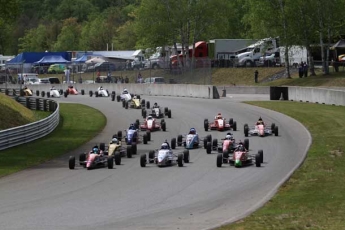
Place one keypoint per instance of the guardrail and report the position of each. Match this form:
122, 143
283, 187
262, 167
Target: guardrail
27, 133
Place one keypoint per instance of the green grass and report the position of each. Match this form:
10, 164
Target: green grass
74, 130
313, 198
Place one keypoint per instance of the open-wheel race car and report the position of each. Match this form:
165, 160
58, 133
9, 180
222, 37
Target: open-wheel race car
220, 124
260, 129
157, 112
151, 124
96, 158
118, 150
165, 157
192, 140
100, 92
71, 90
228, 145
240, 157
27, 91
134, 103
132, 135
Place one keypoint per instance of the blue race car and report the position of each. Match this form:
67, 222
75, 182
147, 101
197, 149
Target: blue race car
192, 140
132, 136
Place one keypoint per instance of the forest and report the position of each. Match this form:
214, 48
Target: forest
61, 25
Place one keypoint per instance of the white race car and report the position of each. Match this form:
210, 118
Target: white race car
53, 93
101, 92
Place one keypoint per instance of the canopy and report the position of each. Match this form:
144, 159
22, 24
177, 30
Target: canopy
339, 44
32, 57
82, 59
95, 60
52, 60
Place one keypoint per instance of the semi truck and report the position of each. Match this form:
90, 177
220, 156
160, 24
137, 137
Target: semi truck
297, 54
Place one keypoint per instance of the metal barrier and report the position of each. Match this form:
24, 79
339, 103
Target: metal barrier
30, 132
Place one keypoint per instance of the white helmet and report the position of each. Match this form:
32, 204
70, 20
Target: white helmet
164, 146
114, 141
125, 91
228, 137
135, 97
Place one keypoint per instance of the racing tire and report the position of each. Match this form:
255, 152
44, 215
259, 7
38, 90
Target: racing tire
209, 138
48, 94
163, 125
276, 131
65, 94
110, 162
186, 156
143, 160
123, 104
169, 113
118, 98
261, 154
246, 131
119, 134
145, 139
173, 143
82, 158
180, 160
107, 93
214, 143
37, 93
234, 126
96, 94
162, 121
43, 93
231, 121
82, 92
67, 91
148, 134
132, 95
166, 110
142, 103
143, 113
126, 105
206, 125
90, 93
179, 140
205, 143
151, 156
138, 96
129, 151
257, 160
113, 93
102, 146
61, 92
246, 143
113, 97
273, 125
71, 162
147, 105
137, 123
208, 148
134, 149
219, 160
225, 155
117, 157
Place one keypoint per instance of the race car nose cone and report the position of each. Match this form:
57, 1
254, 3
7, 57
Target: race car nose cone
238, 163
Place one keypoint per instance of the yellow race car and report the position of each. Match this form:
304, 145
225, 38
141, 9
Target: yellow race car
27, 91
136, 103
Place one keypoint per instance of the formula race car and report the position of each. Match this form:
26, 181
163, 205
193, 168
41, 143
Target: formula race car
53, 92
157, 112
240, 158
151, 124
117, 150
220, 124
132, 135
192, 140
227, 146
27, 91
260, 129
71, 90
165, 157
100, 92
135, 103
96, 158
125, 96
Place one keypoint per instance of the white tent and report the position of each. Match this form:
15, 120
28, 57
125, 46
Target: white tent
95, 60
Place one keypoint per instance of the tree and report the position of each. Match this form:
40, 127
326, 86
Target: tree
68, 39
34, 40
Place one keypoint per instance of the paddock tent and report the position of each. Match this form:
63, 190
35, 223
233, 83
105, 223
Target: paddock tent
32, 57
82, 59
55, 59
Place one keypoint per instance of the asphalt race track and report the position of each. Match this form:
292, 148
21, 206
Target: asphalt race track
197, 196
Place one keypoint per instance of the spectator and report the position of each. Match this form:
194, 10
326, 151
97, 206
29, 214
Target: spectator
126, 80
305, 69
256, 76
109, 77
300, 70
67, 75
98, 79
139, 78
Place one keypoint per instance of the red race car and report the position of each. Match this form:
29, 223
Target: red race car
220, 124
151, 124
72, 90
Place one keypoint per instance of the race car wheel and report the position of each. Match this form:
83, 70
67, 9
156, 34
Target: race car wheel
209, 138
43, 93
225, 156
113, 97
273, 125
102, 146
261, 154
134, 149
276, 130
96, 94
71, 162
113, 93
118, 98
147, 105
144, 113
205, 143
234, 126
257, 160
186, 156
206, 125
82, 92
164, 126
126, 105
231, 121
82, 157
208, 148
67, 91
117, 157
129, 151
148, 134
145, 139
151, 156
219, 160
166, 110
162, 121
169, 113
179, 140
138, 96
61, 91
173, 143
37, 93
246, 143
119, 134
143, 103
110, 162
137, 123
180, 160
132, 95
48, 94
90, 93
107, 93
214, 143
246, 131
143, 160
65, 94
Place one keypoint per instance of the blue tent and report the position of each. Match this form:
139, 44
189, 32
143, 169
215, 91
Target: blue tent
52, 60
32, 57
82, 59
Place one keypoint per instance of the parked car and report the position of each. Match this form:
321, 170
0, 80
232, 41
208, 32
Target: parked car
154, 80
56, 68
104, 66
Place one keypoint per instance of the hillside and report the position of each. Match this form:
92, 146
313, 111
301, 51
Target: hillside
13, 114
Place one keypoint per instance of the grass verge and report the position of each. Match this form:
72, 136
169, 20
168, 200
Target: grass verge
74, 130
313, 198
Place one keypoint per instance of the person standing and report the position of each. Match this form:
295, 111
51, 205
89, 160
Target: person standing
305, 69
256, 76
300, 70
67, 75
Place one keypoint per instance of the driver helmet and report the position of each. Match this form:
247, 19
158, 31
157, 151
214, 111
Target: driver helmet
101, 87
260, 119
131, 126
114, 141
164, 146
135, 97
149, 118
95, 150
240, 148
192, 131
228, 137
155, 104
125, 91
25, 87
